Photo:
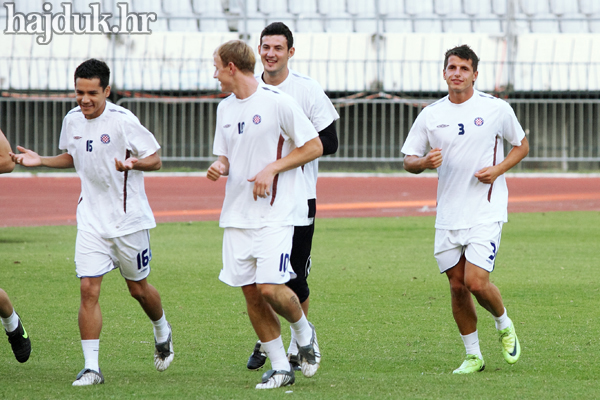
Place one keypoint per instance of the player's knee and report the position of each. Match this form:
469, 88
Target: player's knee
137, 292
476, 286
267, 291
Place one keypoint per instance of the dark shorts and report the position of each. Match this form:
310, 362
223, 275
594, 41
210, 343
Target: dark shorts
300, 257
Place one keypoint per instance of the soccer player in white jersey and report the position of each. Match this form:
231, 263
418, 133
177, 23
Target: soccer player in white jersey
275, 49
465, 131
17, 335
109, 149
261, 139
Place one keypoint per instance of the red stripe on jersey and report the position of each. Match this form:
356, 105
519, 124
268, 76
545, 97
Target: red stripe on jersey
279, 149
127, 154
493, 163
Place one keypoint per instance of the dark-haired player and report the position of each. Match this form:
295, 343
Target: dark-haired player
109, 149
466, 131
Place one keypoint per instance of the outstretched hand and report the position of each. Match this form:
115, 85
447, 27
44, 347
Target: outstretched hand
27, 158
126, 165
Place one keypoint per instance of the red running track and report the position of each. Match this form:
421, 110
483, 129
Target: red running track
43, 200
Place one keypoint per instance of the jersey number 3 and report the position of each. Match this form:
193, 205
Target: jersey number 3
461, 129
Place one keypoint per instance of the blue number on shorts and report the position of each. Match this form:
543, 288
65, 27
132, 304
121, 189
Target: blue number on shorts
494, 251
461, 129
88, 146
283, 262
143, 258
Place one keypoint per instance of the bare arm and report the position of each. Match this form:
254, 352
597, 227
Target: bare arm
6, 162
150, 163
29, 158
516, 154
299, 156
431, 160
218, 168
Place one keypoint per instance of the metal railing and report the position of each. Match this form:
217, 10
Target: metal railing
563, 134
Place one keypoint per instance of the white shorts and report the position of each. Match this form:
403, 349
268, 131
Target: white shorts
96, 256
257, 256
479, 244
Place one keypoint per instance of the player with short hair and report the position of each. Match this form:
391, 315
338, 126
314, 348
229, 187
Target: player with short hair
110, 149
276, 48
17, 335
465, 131
261, 139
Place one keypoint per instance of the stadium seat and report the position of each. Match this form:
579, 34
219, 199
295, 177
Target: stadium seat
483, 20
591, 9
395, 20
499, 7
364, 16
180, 15
147, 6
538, 16
452, 17
422, 17
568, 16
276, 10
254, 21
306, 16
210, 14
336, 19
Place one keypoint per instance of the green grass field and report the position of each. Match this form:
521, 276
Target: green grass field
381, 309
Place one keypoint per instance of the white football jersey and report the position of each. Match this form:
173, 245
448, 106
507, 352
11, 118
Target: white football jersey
112, 203
471, 137
319, 110
252, 133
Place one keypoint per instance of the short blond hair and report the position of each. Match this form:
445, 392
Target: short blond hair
238, 53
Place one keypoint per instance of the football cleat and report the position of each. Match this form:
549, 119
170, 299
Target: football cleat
257, 358
273, 379
310, 356
20, 343
163, 353
511, 349
88, 377
471, 364
294, 360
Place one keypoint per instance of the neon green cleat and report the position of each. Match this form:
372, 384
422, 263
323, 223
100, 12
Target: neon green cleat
471, 364
511, 349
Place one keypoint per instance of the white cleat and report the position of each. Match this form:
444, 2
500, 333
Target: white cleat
310, 356
273, 379
163, 353
87, 377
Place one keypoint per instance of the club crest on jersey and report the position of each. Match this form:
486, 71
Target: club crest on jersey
256, 119
105, 138
478, 121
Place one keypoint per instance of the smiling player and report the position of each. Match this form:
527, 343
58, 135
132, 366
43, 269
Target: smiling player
465, 131
109, 149
276, 49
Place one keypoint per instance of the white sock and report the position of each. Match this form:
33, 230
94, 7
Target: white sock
91, 348
161, 329
302, 330
276, 353
502, 322
471, 342
11, 323
293, 349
